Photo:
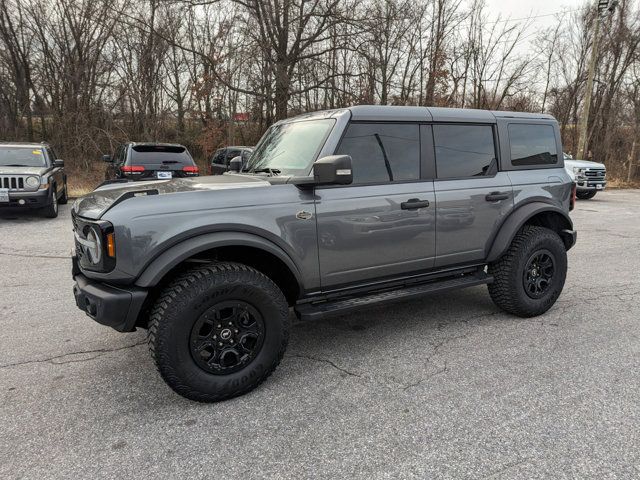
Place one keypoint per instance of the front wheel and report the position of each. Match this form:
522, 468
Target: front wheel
218, 331
64, 199
529, 278
586, 195
51, 210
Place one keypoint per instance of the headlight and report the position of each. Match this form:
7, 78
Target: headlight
32, 182
94, 246
578, 170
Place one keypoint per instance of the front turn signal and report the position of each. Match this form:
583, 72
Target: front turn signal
111, 245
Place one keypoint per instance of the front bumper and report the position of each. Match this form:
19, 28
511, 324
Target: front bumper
589, 185
37, 199
116, 307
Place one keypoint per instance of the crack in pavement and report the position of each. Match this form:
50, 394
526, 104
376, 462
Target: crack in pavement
442, 370
324, 360
52, 360
404, 386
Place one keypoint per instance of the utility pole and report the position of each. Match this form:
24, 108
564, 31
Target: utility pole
604, 7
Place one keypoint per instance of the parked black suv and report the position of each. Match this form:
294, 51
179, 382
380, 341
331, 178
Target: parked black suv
32, 176
144, 161
220, 160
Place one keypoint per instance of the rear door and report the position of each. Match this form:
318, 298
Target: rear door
218, 163
473, 196
382, 225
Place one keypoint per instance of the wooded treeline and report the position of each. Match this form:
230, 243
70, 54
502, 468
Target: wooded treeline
87, 74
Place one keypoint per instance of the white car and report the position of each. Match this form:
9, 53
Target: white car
590, 177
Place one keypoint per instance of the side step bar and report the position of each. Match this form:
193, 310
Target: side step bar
317, 310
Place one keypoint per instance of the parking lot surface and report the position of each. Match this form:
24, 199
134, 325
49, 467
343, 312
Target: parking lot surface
442, 387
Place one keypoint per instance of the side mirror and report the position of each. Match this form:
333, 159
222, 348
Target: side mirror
333, 170
58, 163
235, 164
107, 158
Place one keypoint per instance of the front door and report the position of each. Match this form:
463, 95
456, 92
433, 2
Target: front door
383, 224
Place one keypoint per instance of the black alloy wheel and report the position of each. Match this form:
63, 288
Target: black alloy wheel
538, 273
227, 337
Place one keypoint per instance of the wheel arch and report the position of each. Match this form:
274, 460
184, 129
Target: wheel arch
246, 248
538, 214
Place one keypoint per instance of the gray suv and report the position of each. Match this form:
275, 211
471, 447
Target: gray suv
336, 211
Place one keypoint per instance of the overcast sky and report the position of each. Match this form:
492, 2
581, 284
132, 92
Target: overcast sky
541, 13
534, 8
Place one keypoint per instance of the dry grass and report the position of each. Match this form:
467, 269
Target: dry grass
618, 183
82, 181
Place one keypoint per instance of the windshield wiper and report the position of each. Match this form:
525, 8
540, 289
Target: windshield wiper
271, 171
14, 165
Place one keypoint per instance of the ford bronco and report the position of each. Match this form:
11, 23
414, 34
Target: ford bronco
334, 212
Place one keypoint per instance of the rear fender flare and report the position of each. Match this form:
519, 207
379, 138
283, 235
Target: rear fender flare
520, 217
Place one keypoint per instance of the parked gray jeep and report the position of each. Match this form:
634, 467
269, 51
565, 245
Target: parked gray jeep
334, 212
32, 176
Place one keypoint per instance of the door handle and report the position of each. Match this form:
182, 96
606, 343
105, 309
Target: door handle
414, 204
496, 196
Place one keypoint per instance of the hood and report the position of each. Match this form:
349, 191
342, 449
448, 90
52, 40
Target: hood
22, 170
583, 164
96, 203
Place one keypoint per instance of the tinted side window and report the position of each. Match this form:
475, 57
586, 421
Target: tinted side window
218, 157
382, 152
463, 150
532, 144
231, 154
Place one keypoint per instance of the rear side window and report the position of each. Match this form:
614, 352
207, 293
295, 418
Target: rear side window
382, 152
532, 144
218, 157
157, 154
463, 150
231, 154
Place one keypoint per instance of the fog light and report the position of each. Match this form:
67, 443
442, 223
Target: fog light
21, 201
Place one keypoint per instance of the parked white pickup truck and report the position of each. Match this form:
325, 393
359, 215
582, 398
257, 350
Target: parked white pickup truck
590, 177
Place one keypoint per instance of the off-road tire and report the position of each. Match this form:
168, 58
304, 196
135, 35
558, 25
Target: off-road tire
51, 210
185, 299
508, 290
64, 198
586, 195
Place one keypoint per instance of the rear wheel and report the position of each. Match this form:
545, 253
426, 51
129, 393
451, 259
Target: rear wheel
218, 331
529, 278
586, 195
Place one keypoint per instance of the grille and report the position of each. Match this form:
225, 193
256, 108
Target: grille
12, 183
593, 174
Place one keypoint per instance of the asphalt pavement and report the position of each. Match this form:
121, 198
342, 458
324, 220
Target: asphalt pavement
446, 386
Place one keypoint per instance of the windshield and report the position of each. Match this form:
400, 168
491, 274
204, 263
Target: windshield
156, 154
290, 148
22, 157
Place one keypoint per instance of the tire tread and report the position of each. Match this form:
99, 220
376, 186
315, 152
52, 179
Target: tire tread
207, 276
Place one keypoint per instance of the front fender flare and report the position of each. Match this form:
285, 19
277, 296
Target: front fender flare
518, 218
173, 256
